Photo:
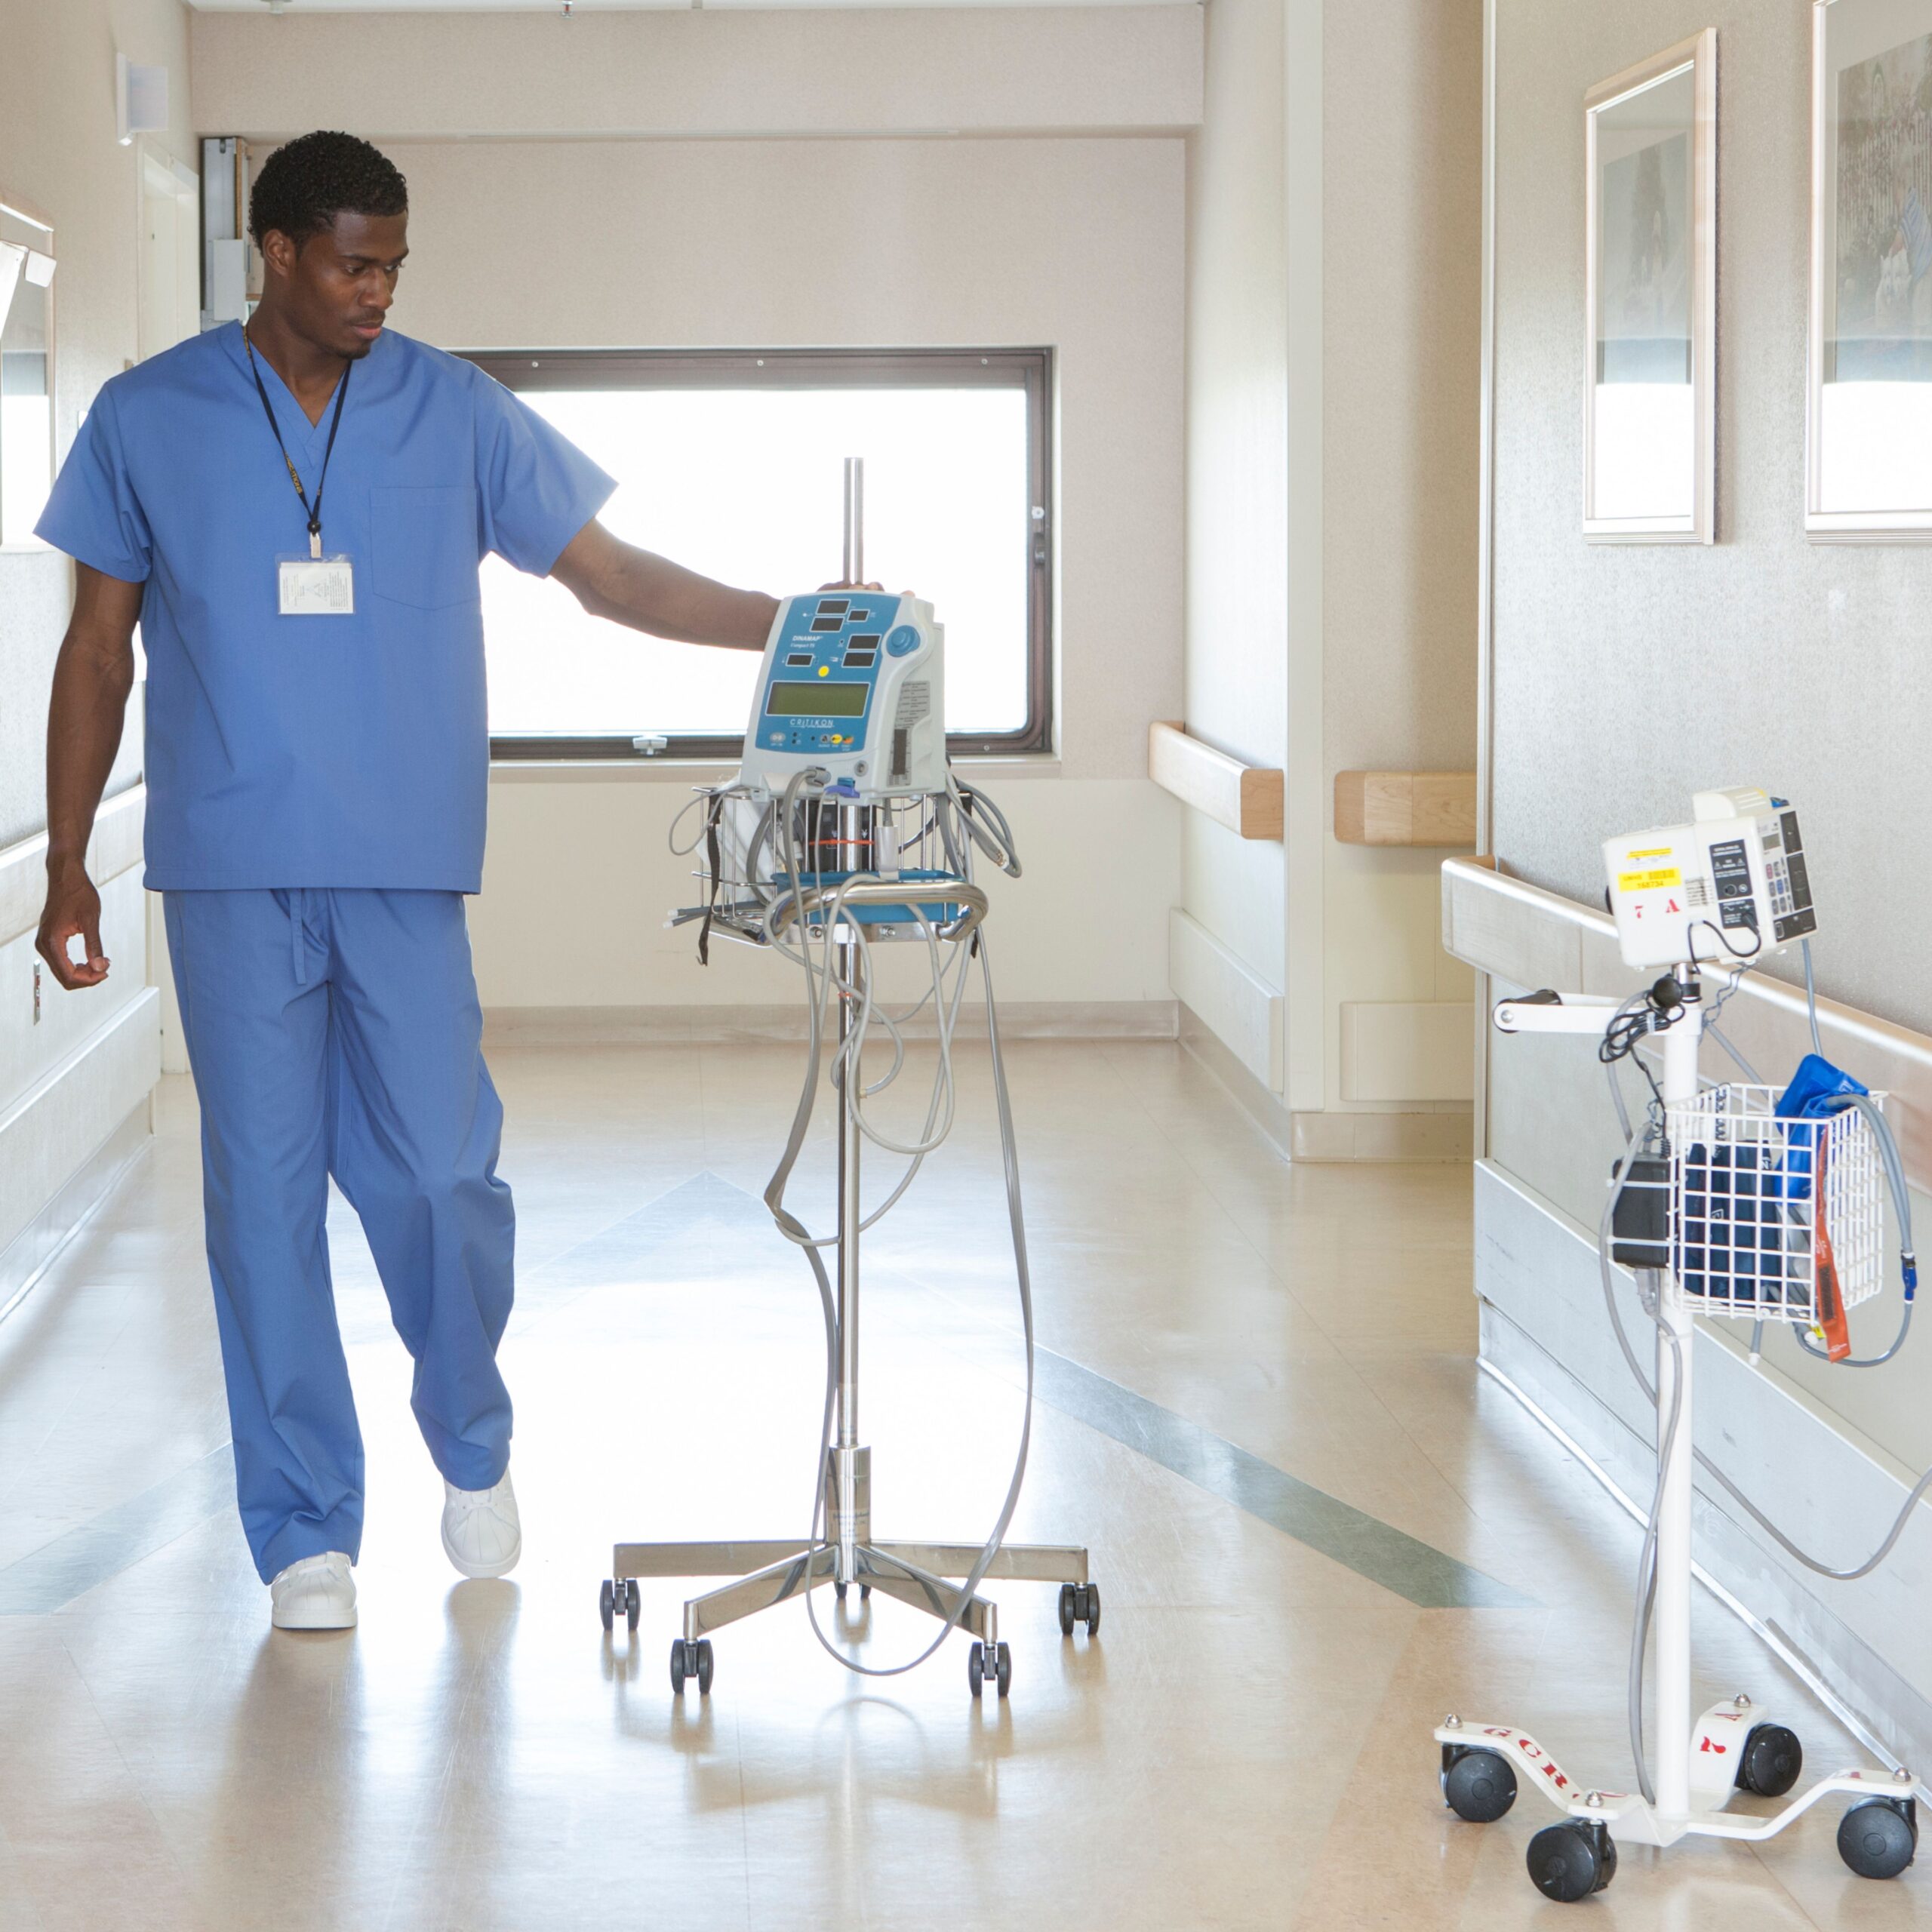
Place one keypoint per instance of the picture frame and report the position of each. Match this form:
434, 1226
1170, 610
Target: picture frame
1650, 392
1868, 363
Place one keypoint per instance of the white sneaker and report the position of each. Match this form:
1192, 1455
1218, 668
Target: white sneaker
482, 1534
318, 1593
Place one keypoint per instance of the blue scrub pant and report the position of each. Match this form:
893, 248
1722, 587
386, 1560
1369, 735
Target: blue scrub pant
337, 1032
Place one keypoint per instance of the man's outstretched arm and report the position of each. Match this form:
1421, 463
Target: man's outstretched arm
612, 579
92, 677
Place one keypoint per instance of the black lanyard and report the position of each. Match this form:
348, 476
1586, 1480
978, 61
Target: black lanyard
314, 511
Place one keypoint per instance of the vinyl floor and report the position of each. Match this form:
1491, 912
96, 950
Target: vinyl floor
1315, 1526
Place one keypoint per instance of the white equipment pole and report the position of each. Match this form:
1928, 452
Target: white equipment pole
1681, 1044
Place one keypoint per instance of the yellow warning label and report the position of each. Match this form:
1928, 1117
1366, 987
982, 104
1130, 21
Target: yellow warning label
1656, 852
1656, 880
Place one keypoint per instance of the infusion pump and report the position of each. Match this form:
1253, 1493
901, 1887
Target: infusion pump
1725, 888
853, 683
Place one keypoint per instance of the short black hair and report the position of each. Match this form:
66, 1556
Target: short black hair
305, 184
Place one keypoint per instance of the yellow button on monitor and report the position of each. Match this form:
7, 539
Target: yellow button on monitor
825, 670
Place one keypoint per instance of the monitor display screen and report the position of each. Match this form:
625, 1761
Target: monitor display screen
802, 700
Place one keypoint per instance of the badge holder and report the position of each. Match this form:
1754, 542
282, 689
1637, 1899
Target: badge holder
316, 586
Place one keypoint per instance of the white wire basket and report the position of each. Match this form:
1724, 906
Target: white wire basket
1745, 1225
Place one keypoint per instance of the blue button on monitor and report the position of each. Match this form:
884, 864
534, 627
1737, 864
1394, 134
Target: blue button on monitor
904, 639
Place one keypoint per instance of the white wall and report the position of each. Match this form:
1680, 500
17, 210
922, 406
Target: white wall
673, 73
1788, 663
1401, 296
1072, 241
1235, 694
73, 1082
1334, 313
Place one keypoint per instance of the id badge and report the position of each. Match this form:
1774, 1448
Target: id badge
317, 586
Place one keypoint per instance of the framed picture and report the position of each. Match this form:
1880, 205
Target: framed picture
1869, 404
1650, 428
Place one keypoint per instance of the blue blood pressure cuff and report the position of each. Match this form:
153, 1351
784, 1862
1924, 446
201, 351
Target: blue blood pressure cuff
1817, 1090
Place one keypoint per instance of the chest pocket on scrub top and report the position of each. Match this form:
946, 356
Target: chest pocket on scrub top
423, 546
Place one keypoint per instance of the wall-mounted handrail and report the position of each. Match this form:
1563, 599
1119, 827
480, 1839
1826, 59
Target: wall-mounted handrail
1247, 798
1405, 807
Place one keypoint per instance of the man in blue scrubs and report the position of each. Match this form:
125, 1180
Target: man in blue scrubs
295, 513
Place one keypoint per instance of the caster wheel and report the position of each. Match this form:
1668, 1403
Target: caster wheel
631, 1605
1569, 1862
1878, 1837
690, 1661
607, 1604
1080, 1603
865, 1592
980, 1667
838, 1590
1772, 1760
1479, 1786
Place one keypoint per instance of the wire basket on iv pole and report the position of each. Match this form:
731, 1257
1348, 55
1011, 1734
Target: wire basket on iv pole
1770, 1218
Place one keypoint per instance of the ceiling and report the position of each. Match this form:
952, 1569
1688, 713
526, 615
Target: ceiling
596, 6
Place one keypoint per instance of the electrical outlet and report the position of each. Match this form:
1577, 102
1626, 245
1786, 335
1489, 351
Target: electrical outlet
36, 993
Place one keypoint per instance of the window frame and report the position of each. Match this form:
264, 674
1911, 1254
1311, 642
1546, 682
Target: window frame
1030, 370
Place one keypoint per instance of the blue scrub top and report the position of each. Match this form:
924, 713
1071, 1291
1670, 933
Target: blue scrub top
316, 751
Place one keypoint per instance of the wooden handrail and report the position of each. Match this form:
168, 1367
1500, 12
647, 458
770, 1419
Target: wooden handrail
1405, 807
1247, 798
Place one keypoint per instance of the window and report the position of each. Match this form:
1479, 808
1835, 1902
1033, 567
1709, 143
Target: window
732, 464
26, 387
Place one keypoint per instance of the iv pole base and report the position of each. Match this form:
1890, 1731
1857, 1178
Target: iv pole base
766, 1574
1520, 1760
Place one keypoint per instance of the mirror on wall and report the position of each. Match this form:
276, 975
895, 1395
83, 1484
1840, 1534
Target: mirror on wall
26, 374
1651, 142
1869, 446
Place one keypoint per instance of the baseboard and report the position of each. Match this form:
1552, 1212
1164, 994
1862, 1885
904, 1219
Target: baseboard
1346, 1137
1263, 1108
1543, 1330
33, 1250
726, 1026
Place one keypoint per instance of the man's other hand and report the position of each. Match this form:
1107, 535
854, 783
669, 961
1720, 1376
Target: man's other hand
73, 908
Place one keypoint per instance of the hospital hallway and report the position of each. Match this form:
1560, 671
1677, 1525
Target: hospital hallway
1317, 1527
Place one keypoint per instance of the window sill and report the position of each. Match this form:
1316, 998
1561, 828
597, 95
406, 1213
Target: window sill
716, 771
